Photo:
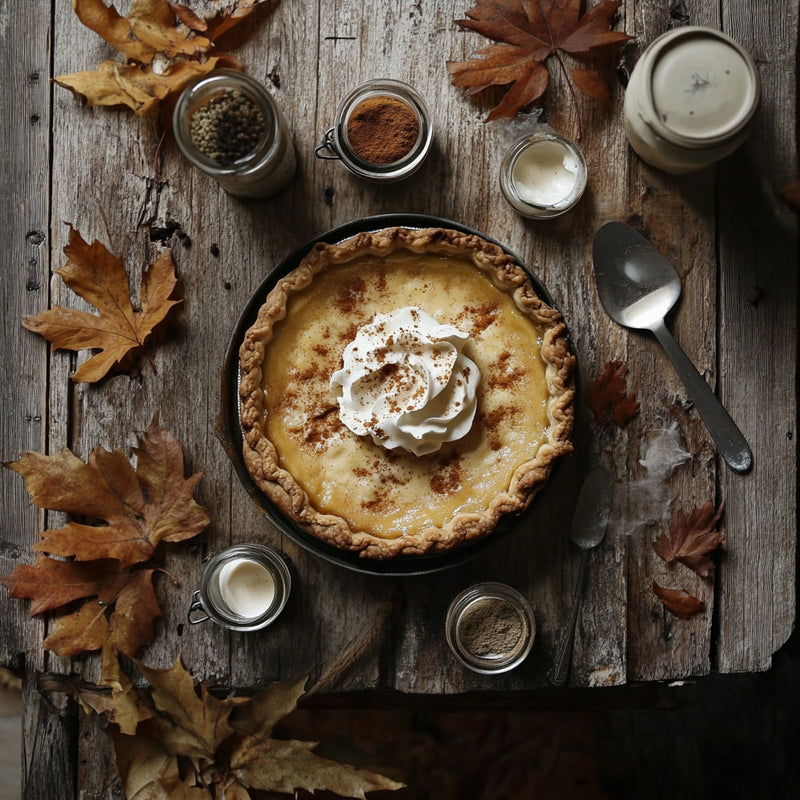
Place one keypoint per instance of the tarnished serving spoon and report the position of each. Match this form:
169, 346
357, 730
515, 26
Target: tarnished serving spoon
586, 530
637, 286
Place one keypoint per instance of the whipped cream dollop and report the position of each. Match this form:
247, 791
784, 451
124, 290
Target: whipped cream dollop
406, 382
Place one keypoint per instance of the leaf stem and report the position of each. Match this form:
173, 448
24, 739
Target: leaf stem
575, 104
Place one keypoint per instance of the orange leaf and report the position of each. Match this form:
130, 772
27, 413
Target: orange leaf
100, 278
679, 602
131, 511
791, 192
188, 17
529, 32
50, 584
608, 395
163, 46
691, 538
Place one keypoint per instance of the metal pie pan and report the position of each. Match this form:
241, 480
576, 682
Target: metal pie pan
229, 430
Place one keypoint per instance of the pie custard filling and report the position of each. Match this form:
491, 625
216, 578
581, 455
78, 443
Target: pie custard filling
405, 391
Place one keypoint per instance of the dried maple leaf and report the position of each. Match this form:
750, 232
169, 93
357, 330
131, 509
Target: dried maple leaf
166, 46
100, 278
529, 32
679, 602
691, 538
608, 395
791, 192
132, 510
190, 744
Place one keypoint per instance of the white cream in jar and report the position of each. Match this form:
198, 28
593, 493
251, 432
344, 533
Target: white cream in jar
543, 175
243, 588
246, 587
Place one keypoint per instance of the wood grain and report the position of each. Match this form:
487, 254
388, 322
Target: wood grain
732, 238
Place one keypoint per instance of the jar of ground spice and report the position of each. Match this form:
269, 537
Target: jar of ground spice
382, 131
490, 628
228, 126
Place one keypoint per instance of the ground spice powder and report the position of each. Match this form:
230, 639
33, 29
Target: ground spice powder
382, 129
491, 628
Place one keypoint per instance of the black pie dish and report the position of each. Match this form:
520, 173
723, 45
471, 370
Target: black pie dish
229, 430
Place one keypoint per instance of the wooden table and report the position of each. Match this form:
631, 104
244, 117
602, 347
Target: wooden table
733, 238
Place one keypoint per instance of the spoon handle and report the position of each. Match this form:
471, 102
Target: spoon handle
731, 444
561, 669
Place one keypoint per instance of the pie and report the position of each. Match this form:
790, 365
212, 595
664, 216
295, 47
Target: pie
361, 489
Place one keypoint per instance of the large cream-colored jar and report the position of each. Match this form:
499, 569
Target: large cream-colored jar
691, 99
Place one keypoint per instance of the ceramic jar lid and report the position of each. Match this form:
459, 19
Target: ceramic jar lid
691, 99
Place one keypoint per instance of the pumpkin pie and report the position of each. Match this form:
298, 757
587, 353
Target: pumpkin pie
405, 391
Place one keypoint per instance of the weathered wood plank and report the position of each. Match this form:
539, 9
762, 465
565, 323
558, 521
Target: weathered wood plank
725, 229
25, 119
758, 253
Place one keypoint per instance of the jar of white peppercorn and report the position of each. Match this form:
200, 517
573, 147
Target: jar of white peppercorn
228, 126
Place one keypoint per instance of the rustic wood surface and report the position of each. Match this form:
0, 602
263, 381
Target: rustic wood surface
731, 235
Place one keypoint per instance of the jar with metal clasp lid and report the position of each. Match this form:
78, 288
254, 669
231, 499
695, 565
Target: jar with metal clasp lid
382, 131
229, 127
691, 99
243, 588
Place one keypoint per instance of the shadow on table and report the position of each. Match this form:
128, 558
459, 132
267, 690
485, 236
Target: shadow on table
731, 736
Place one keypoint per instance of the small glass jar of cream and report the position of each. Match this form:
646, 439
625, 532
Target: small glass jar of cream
690, 100
243, 588
382, 131
543, 175
229, 127
490, 628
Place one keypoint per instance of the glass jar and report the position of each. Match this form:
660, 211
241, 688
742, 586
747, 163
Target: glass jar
690, 99
402, 105
490, 628
264, 169
243, 588
543, 174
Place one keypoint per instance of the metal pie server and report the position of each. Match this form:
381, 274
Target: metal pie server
587, 530
637, 286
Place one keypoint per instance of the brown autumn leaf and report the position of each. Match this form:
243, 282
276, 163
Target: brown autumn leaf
119, 329
165, 45
129, 512
691, 538
528, 33
679, 602
608, 396
791, 192
187, 743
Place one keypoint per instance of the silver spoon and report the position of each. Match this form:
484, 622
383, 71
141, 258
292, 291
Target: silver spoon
586, 530
637, 286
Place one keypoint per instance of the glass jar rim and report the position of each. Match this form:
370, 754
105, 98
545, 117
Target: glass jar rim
205, 87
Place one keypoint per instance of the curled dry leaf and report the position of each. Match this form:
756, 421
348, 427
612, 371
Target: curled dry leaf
129, 512
608, 396
178, 741
691, 538
118, 329
679, 602
528, 33
791, 192
165, 46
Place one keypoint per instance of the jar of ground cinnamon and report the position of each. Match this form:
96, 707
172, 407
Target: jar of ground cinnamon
382, 131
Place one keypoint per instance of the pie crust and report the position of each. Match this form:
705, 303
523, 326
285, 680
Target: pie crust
352, 493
